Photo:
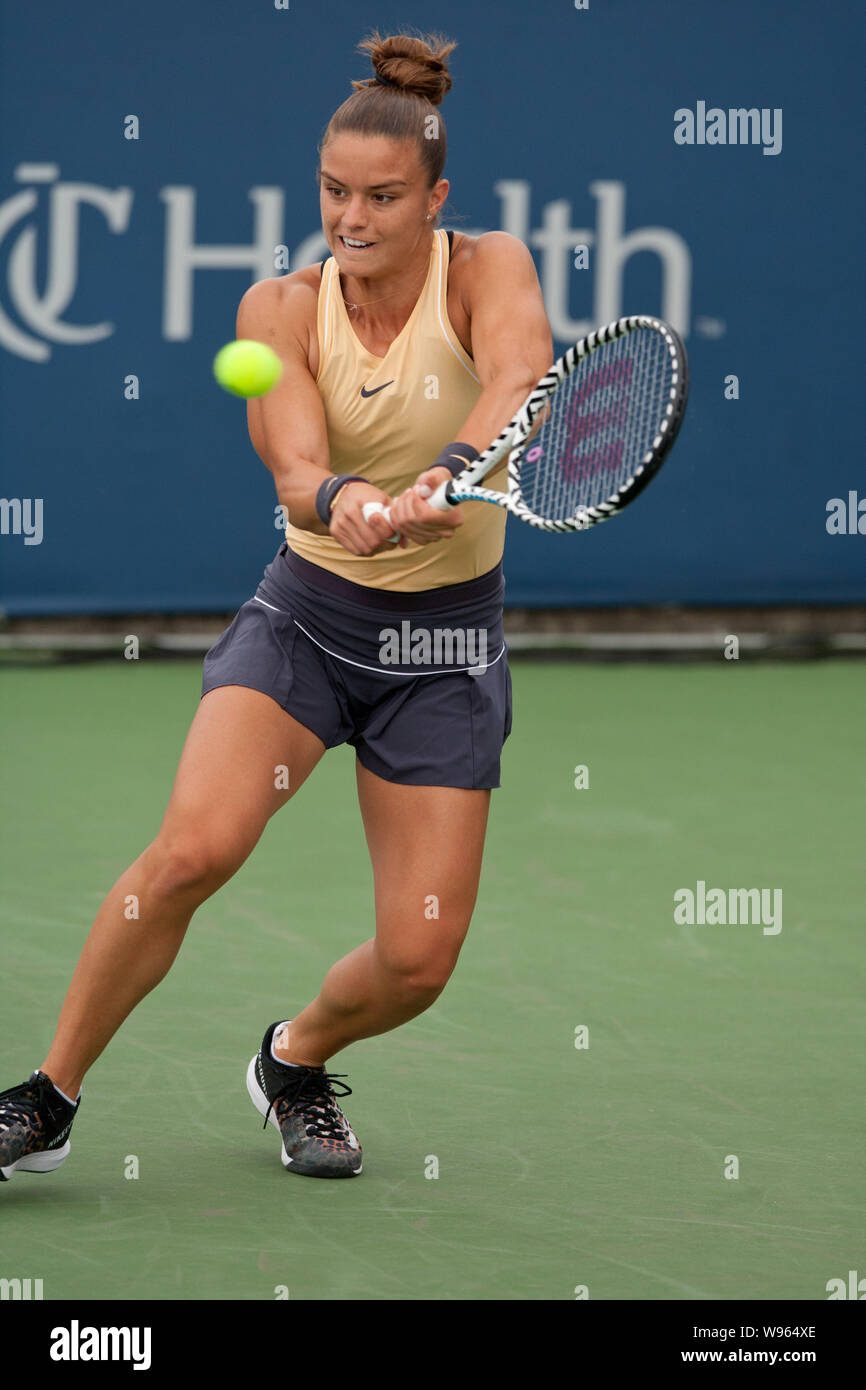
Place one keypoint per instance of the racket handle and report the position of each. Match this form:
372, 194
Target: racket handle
441, 498
370, 507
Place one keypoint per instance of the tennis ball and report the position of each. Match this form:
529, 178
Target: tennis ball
247, 368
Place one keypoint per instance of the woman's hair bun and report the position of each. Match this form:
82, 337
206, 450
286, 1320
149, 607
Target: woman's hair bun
415, 65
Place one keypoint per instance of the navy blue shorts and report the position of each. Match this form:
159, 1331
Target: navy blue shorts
418, 684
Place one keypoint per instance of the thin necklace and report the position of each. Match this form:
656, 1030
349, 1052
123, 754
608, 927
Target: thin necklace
379, 300
384, 296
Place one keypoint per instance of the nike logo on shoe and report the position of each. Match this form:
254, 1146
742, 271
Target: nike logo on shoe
365, 392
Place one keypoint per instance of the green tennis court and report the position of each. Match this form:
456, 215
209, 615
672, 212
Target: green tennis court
559, 1166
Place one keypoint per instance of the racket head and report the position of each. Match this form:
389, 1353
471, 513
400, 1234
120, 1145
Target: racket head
599, 425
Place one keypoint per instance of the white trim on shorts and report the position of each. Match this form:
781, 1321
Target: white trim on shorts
381, 670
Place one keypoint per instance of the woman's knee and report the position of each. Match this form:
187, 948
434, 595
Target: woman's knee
421, 970
193, 867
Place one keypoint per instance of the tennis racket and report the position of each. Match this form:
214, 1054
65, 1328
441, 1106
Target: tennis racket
590, 436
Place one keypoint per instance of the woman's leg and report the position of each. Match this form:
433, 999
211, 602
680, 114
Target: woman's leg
228, 785
426, 845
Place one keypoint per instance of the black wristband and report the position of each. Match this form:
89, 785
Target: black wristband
455, 457
328, 491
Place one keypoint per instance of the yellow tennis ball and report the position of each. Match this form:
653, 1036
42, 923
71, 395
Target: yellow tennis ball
247, 368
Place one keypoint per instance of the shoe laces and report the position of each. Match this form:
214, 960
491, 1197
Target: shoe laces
21, 1104
312, 1093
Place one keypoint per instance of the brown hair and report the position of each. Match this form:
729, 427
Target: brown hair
415, 79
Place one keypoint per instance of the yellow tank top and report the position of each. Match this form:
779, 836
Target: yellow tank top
388, 418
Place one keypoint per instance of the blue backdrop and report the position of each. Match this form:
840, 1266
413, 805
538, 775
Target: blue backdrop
566, 125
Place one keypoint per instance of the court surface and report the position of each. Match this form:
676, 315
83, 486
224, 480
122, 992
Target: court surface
559, 1167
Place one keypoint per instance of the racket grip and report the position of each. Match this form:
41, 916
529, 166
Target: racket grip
441, 498
370, 507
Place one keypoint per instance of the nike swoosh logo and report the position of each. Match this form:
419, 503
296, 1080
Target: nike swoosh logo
366, 393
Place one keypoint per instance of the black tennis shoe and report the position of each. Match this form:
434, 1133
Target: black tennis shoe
35, 1121
301, 1103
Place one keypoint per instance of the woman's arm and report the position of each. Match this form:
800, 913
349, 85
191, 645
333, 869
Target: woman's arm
287, 427
512, 347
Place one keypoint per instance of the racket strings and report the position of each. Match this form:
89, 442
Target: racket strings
599, 426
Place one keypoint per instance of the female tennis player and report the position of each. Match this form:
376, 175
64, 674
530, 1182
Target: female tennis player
404, 354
